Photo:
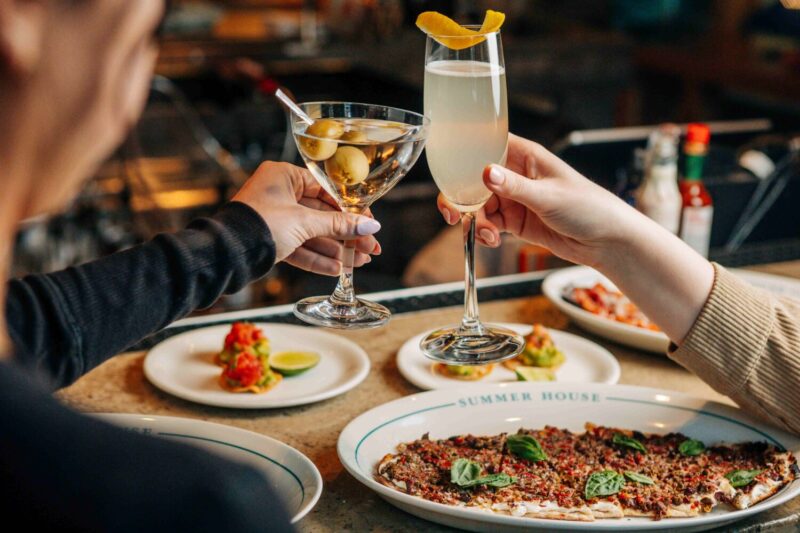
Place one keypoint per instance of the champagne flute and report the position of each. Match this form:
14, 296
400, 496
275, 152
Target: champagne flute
465, 100
357, 153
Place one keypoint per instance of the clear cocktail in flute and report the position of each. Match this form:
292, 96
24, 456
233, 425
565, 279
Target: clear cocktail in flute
465, 100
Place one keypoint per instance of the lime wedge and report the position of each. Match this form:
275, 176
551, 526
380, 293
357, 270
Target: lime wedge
534, 373
293, 363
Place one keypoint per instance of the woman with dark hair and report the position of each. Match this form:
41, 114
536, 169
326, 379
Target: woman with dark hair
74, 76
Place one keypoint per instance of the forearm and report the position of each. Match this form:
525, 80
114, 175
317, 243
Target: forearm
663, 276
745, 344
70, 321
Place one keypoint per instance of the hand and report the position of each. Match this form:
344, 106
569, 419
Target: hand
543, 200
305, 222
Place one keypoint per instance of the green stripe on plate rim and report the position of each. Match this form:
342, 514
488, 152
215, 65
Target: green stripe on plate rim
609, 398
258, 454
702, 412
376, 428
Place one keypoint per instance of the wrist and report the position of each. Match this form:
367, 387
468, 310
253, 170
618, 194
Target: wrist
626, 240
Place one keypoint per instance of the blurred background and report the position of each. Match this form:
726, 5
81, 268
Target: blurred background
590, 79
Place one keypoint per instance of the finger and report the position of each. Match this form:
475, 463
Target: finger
368, 245
506, 183
486, 232
534, 160
323, 195
342, 226
307, 186
333, 248
324, 246
450, 214
361, 259
318, 204
313, 262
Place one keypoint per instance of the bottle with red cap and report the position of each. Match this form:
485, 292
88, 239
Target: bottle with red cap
698, 208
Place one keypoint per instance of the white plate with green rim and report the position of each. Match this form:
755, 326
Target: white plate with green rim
489, 409
183, 366
291, 474
586, 362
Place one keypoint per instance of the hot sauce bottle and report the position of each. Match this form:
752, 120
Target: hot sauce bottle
698, 209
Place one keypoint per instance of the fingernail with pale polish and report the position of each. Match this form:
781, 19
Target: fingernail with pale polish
487, 236
367, 226
496, 176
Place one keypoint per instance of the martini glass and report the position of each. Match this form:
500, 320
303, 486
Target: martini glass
465, 99
357, 153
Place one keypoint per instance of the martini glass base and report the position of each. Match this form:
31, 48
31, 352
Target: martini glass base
322, 311
481, 345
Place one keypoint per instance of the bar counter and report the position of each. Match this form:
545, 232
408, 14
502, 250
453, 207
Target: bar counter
119, 386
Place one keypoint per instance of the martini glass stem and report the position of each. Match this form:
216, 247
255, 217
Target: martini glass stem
344, 294
470, 323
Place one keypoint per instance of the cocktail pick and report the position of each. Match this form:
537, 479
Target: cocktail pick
294, 108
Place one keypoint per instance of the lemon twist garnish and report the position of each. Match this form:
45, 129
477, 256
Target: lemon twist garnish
453, 35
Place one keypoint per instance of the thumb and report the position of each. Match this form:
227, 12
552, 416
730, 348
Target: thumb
341, 226
506, 183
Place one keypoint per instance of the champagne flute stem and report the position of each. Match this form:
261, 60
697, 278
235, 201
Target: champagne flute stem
344, 294
470, 323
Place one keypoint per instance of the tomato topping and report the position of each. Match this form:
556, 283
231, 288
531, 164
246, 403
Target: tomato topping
247, 370
243, 334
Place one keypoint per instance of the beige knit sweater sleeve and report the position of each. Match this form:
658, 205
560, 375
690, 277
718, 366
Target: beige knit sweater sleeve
746, 345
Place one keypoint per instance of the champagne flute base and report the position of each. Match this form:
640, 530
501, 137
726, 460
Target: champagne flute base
322, 311
480, 345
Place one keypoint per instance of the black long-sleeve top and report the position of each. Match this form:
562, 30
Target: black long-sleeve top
66, 471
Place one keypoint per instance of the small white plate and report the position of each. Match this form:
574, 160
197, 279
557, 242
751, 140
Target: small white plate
556, 283
489, 409
182, 366
586, 362
291, 474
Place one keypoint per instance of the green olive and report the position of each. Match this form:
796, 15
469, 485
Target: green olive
326, 128
348, 166
360, 137
314, 147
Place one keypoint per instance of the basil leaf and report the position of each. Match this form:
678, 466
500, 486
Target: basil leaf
493, 480
629, 442
464, 471
741, 478
603, 483
526, 447
691, 447
639, 478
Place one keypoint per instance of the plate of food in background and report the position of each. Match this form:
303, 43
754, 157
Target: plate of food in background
593, 302
256, 366
549, 355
